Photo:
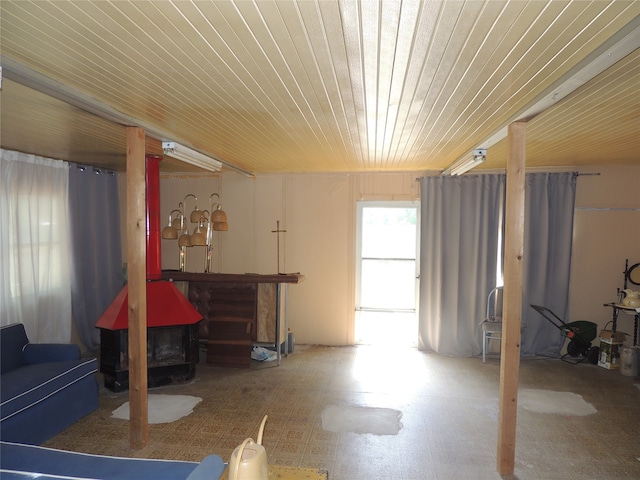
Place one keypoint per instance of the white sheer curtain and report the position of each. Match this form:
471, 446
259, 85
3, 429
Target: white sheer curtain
461, 218
34, 243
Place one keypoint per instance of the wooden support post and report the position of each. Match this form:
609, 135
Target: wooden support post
512, 297
137, 288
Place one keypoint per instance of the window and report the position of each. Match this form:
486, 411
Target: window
35, 287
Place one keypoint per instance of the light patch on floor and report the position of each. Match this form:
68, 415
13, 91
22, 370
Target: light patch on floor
379, 421
548, 401
162, 408
488, 409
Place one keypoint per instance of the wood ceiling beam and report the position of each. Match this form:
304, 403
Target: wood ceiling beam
29, 77
618, 46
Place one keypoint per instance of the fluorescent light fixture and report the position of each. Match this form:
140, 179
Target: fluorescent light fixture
467, 163
618, 46
29, 77
190, 156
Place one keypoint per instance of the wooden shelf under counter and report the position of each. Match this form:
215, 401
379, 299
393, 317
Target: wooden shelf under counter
256, 302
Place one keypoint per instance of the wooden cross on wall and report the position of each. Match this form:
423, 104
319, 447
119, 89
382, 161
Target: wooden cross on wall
277, 231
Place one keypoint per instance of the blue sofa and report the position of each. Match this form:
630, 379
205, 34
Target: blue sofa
19, 461
44, 388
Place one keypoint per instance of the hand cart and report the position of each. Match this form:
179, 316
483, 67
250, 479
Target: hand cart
580, 334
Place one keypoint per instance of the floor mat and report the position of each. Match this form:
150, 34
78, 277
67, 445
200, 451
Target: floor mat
290, 473
379, 421
162, 408
548, 401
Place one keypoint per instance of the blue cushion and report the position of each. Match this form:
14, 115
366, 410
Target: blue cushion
12, 339
31, 384
10, 475
29, 458
211, 467
50, 352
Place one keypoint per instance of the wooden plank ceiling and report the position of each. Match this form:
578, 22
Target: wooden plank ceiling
316, 86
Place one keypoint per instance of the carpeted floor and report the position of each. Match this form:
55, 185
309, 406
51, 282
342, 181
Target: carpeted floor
448, 406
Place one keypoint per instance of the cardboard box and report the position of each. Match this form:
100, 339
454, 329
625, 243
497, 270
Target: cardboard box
610, 347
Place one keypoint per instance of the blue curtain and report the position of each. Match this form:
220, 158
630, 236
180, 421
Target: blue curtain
549, 208
460, 223
97, 277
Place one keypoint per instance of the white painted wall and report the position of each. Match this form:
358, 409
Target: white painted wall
606, 232
318, 212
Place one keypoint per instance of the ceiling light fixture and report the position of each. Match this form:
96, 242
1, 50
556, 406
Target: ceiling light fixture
615, 48
467, 163
31, 78
190, 156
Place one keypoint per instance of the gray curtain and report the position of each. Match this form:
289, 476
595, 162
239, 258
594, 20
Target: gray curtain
97, 275
549, 208
460, 238
460, 222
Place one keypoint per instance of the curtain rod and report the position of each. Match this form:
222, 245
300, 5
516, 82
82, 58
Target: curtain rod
96, 170
608, 209
589, 174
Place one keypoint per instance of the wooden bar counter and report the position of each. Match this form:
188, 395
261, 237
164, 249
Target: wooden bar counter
239, 310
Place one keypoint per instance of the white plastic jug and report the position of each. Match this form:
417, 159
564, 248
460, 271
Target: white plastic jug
249, 459
629, 361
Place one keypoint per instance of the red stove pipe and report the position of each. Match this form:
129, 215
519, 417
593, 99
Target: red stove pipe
166, 305
152, 180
